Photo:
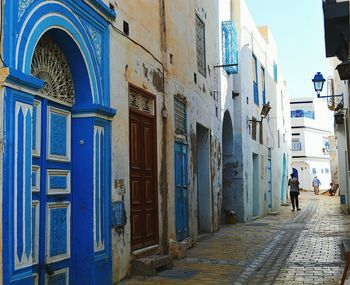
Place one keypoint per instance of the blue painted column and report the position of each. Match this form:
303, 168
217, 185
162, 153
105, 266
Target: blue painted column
91, 153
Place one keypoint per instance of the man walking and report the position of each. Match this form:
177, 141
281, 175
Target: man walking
316, 184
294, 191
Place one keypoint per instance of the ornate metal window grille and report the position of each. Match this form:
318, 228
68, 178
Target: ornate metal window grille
229, 46
50, 65
200, 42
180, 116
141, 102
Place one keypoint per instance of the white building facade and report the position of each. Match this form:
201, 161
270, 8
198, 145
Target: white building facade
310, 142
256, 153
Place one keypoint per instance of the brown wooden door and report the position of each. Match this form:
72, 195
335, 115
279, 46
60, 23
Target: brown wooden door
143, 183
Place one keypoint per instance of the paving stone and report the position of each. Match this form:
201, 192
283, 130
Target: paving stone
289, 249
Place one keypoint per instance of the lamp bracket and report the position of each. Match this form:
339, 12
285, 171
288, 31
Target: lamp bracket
329, 96
256, 121
226, 65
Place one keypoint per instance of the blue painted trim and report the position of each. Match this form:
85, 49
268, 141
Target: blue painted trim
97, 186
103, 8
94, 108
11, 96
19, 78
28, 188
20, 184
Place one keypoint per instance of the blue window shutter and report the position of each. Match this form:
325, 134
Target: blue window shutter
229, 46
275, 71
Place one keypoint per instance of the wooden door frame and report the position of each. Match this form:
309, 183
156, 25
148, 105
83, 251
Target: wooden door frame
145, 93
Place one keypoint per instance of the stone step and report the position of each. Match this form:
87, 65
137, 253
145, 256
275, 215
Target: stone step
150, 265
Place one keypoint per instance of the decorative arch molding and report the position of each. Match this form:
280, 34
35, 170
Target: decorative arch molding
29, 20
41, 20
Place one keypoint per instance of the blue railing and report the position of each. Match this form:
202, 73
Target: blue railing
302, 114
229, 46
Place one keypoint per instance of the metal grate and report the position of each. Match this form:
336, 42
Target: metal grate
50, 65
200, 44
140, 102
180, 116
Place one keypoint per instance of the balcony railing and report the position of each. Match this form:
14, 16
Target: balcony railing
302, 114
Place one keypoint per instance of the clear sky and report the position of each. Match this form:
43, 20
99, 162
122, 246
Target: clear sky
297, 27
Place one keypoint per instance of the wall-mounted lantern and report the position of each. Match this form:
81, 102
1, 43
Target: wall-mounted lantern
339, 118
263, 114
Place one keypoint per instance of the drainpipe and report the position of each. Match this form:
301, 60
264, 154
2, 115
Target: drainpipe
164, 167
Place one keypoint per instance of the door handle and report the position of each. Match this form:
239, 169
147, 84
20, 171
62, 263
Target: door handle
48, 269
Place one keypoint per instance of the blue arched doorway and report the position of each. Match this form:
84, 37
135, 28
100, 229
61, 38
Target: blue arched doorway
57, 115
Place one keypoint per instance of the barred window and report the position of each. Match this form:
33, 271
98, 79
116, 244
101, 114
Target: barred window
200, 42
180, 116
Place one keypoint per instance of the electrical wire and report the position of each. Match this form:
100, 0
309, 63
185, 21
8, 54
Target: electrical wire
141, 46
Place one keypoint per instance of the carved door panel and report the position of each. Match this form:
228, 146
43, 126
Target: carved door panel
51, 193
143, 185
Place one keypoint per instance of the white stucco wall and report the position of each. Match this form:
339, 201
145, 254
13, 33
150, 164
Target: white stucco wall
342, 136
311, 133
257, 41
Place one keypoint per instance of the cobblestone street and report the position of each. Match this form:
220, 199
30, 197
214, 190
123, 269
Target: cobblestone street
290, 248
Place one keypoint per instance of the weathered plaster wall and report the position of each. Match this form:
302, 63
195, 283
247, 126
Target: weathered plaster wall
342, 136
181, 47
163, 49
132, 64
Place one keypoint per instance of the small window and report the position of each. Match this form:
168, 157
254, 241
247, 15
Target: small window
278, 138
314, 170
326, 170
322, 170
180, 116
261, 134
200, 45
254, 123
275, 71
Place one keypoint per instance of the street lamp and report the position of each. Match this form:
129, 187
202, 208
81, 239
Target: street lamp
318, 85
263, 114
318, 81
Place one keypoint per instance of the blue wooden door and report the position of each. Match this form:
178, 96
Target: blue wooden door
51, 193
181, 191
269, 169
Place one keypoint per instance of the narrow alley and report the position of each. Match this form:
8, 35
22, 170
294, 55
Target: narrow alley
302, 247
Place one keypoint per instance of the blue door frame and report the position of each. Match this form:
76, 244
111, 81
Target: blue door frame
181, 190
283, 183
269, 170
82, 33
